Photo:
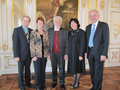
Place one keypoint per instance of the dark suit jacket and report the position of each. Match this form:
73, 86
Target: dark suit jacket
63, 40
100, 40
20, 45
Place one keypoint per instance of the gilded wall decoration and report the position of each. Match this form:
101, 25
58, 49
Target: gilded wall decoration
29, 1
12, 49
4, 1
83, 2
116, 28
102, 5
117, 1
114, 55
5, 47
8, 65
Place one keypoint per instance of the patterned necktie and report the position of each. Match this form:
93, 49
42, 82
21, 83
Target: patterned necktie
91, 36
26, 34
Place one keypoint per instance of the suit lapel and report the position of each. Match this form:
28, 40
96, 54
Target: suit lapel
23, 33
89, 31
60, 33
97, 28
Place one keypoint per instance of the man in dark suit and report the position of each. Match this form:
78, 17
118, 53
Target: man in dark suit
21, 48
97, 35
59, 51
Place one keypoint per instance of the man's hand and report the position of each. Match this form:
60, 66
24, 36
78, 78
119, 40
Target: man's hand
80, 58
17, 59
35, 59
103, 58
66, 57
48, 57
86, 55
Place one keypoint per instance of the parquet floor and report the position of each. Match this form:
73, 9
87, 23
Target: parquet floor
111, 81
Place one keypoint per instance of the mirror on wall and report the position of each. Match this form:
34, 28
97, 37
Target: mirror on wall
18, 12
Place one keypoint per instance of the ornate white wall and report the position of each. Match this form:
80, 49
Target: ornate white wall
109, 12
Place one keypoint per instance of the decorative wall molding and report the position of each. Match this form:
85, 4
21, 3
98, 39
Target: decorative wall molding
117, 1
29, 1
114, 55
102, 5
4, 1
5, 47
83, 2
115, 4
9, 62
116, 28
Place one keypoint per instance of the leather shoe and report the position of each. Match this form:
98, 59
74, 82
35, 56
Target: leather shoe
75, 87
43, 88
38, 89
71, 85
62, 86
22, 89
92, 88
53, 85
30, 86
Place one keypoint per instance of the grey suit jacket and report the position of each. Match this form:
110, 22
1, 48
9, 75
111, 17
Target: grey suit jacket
100, 40
63, 40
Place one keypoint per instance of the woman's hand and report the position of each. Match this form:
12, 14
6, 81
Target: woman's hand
48, 57
34, 58
80, 58
66, 57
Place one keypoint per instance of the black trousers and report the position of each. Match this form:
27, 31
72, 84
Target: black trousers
96, 70
57, 59
21, 64
39, 67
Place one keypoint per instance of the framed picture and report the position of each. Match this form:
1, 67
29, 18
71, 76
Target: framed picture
48, 9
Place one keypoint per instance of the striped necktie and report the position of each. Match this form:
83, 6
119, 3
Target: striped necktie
26, 34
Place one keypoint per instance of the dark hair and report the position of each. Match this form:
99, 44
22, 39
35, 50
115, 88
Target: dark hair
39, 18
75, 20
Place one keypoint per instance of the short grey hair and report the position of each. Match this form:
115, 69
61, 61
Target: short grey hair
94, 10
57, 17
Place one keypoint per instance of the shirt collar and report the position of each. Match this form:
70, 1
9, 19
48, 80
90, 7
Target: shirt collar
24, 29
95, 23
56, 29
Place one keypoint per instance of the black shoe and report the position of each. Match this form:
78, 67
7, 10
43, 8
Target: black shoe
76, 87
30, 86
62, 86
71, 85
38, 89
22, 89
92, 88
43, 88
53, 85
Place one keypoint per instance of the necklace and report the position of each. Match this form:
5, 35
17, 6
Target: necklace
72, 33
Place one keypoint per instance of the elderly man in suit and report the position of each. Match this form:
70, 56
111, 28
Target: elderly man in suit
97, 35
21, 48
59, 50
